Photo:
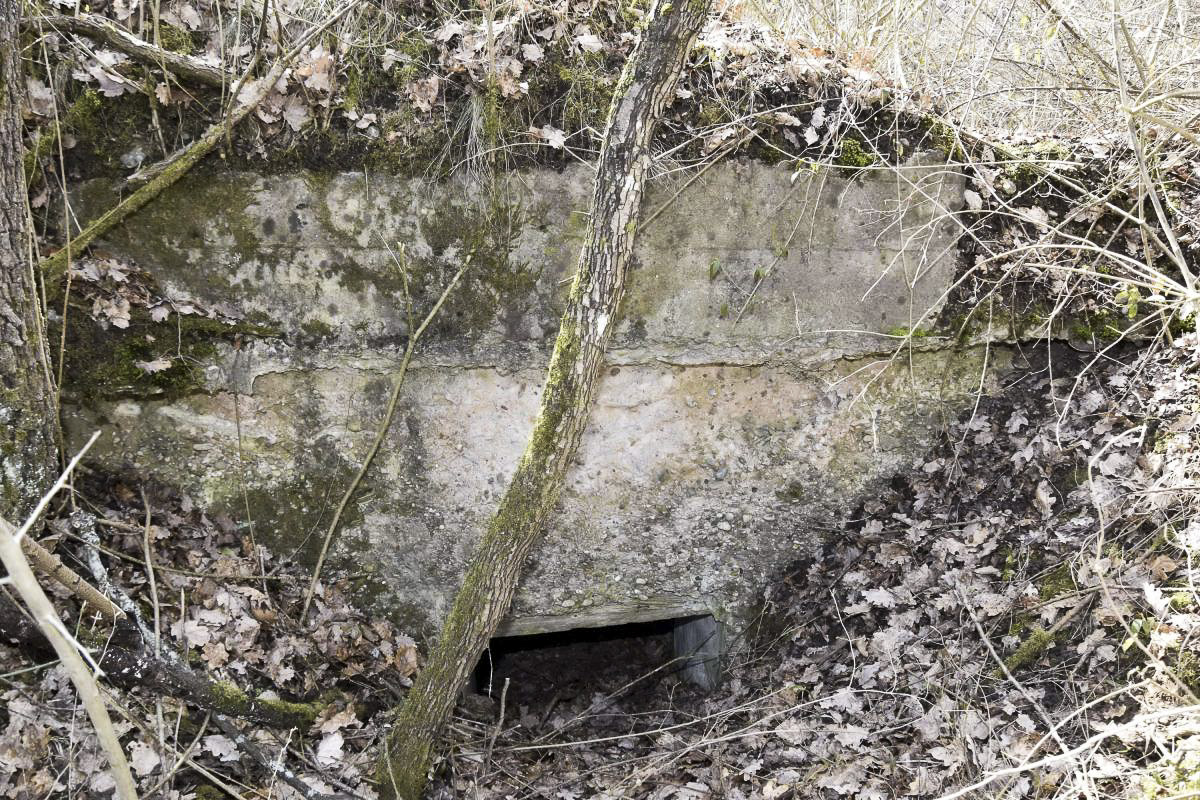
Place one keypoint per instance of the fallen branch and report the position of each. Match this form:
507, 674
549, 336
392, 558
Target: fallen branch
274, 766
105, 30
20, 577
52, 566
128, 658
139, 662
127, 664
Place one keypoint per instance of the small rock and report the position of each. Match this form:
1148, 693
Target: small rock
724, 526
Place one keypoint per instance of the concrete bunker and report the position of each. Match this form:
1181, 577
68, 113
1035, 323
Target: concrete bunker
723, 441
542, 666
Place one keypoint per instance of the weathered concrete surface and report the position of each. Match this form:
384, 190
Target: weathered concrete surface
718, 448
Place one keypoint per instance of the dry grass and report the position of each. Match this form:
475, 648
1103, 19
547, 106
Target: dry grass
1012, 67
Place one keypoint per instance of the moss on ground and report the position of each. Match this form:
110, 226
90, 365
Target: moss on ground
1057, 581
1187, 668
1029, 651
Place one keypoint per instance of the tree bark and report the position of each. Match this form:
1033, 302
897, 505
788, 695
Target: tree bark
27, 444
646, 87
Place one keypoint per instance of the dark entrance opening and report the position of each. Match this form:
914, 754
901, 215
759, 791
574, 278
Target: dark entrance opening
584, 661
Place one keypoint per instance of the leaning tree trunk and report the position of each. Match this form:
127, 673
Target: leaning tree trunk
27, 448
646, 87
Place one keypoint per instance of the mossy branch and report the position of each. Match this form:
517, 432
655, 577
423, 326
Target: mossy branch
54, 266
52, 566
171, 169
1040, 640
105, 30
47, 624
128, 660
1029, 651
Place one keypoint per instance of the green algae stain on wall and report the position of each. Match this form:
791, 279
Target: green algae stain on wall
496, 286
329, 251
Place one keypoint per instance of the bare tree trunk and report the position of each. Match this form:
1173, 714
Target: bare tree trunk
27, 446
646, 87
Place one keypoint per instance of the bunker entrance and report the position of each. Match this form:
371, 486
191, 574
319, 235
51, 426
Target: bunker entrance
584, 661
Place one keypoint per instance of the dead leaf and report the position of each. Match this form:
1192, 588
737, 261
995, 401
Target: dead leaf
338, 721
157, 365
41, 99
295, 112
554, 137
143, 758
589, 42
424, 92
222, 747
329, 751
1162, 567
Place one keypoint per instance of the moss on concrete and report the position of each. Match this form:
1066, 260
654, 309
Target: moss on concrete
852, 154
107, 128
80, 115
1096, 326
285, 512
496, 287
102, 364
903, 331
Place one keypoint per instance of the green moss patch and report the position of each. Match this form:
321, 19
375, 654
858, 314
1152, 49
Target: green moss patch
1057, 581
852, 154
1029, 651
494, 285
104, 364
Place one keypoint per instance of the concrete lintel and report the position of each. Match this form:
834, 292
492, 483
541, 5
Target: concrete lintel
603, 617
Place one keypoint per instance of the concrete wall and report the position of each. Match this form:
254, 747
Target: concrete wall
718, 450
